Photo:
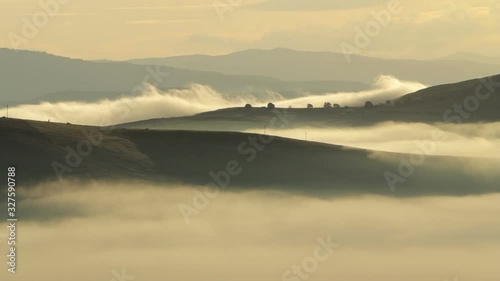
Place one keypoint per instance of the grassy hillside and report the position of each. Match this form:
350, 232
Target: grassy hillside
443, 97
431, 105
189, 156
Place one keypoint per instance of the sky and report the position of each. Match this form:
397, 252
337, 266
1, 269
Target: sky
123, 29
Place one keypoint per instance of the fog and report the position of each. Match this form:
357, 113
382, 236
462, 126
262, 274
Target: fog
154, 103
151, 104
384, 88
249, 235
471, 140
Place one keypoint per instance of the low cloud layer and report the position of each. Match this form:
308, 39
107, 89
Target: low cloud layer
250, 235
151, 104
385, 88
321, 5
197, 99
470, 140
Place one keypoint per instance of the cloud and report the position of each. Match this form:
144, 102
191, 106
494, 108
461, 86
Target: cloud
313, 5
253, 235
162, 21
385, 87
465, 140
61, 14
151, 104
439, 23
155, 8
154, 103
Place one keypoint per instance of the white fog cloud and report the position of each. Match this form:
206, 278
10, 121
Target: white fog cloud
385, 88
470, 140
151, 104
252, 235
155, 104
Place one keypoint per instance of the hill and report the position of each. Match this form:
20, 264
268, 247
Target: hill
294, 65
27, 76
190, 156
431, 105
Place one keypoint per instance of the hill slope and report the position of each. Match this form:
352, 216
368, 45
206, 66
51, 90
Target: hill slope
431, 105
189, 156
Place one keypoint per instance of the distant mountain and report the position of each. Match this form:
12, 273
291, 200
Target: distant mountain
26, 76
189, 157
463, 56
293, 65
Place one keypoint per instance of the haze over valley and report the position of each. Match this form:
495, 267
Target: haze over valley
250, 140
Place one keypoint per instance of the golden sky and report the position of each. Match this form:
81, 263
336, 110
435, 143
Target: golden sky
122, 29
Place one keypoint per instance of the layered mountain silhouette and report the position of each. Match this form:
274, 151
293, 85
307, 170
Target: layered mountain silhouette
30, 77
464, 56
294, 65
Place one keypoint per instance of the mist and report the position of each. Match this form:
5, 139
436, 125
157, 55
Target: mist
154, 103
249, 235
468, 140
385, 87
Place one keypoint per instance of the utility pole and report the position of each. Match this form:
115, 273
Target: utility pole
7, 111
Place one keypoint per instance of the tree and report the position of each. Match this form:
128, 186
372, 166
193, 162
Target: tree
368, 104
271, 106
336, 105
388, 103
327, 105
248, 106
310, 105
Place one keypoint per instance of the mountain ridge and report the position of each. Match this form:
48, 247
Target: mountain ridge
306, 65
67, 74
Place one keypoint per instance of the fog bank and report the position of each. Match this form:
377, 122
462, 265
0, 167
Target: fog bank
250, 235
154, 103
469, 140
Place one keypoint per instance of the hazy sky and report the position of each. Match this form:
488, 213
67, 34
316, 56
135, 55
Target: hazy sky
121, 29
